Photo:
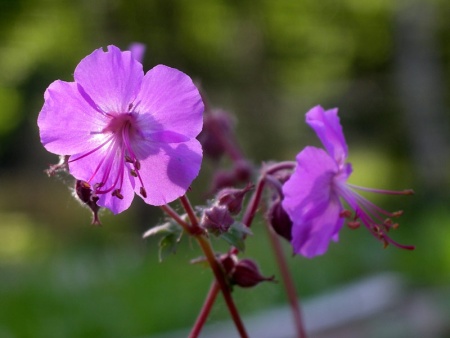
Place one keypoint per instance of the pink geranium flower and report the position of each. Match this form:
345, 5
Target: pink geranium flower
125, 132
312, 195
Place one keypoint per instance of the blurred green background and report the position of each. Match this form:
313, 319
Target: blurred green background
385, 64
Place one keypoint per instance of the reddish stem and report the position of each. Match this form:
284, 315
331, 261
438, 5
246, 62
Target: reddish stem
215, 266
223, 284
206, 309
172, 213
288, 282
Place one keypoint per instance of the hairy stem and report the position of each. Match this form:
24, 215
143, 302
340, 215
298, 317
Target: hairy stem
206, 309
215, 265
288, 282
223, 284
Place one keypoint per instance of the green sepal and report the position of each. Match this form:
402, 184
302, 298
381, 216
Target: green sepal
171, 235
236, 235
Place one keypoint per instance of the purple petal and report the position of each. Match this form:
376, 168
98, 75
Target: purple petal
168, 174
312, 235
112, 79
173, 101
107, 163
150, 129
328, 128
68, 124
311, 202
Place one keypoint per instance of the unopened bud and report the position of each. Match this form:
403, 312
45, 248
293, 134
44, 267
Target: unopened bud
217, 219
279, 220
222, 179
233, 198
246, 274
85, 194
217, 124
228, 262
242, 171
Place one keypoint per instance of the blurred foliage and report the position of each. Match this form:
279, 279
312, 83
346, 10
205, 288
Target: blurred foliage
267, 62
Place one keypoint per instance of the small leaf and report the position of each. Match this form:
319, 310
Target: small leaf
236, 235
171, 235
163, 229
167, 246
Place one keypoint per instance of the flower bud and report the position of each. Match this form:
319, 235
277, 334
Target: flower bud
229, 262
217, 123
246, 274
217, 219
279, 220
85, 194
242, 171
233, 198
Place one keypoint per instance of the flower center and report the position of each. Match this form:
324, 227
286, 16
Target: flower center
122, 131
119, 122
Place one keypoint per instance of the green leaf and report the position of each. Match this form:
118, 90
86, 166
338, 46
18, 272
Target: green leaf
171, 235
168, 245
236, 235
163, 229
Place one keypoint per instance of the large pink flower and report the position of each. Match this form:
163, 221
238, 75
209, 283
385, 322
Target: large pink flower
125, 132
313, 193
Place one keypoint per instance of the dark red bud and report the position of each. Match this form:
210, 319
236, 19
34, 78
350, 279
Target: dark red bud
242, 171
279, 220
217, 219
216, 126
222, 179
228, 262
233, 198
246, 274
86, 195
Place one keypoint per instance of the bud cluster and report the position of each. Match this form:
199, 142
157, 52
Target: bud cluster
218, 218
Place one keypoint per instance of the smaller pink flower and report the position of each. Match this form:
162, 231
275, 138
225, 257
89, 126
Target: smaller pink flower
313, 193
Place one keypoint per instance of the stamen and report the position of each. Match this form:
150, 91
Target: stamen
397, 213
381, 191
116, 193
137, 164
92, 151
119, 177
143, 192
345, 214
353, 225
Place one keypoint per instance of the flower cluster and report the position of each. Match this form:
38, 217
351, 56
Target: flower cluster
122, 132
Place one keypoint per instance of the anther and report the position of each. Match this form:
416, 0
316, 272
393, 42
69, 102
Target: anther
353, 224
397, 213
345, 213
98, 185
117, 194
387, 224
133, 173
143, 192
137, 164
128, 159
130, 106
